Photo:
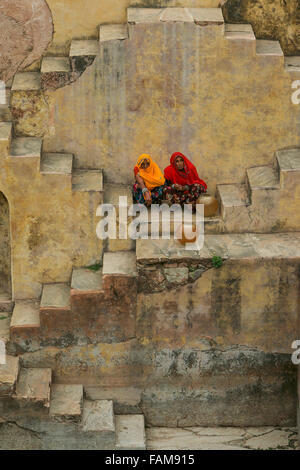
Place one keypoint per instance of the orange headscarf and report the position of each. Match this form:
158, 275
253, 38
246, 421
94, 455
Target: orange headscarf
152, 175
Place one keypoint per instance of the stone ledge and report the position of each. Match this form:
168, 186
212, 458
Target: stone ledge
239, 32
233, 195
200, 16
55, 64
25, 315
119, 263
34, 385
87, 180
263, 177
26, 81
26, 147
130, 432
288, 160
292, 64
56, 296
85, 280
234, 246
112, 32
269, 48
66, 401
84, 48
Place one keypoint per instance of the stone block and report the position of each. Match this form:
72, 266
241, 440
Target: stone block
130, 432
66, 402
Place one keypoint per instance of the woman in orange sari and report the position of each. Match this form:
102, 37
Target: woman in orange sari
149, 186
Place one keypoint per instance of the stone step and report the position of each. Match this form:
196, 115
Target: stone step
84, 47
113, 32
288, 160
112, 193
263, 177
26, 147
86, 280
5, 137
288, 165
239, 32
55, 64
5, 318
236, 246
201, 16
25, 324
232, 195
126, 399
87, 180
26, 81
26, 315
292, 64
66, 402
56, 316
268, 48
57, 163
34, 385
5, 114
55, 296
98, 416
130, 432
8, 375
122, 263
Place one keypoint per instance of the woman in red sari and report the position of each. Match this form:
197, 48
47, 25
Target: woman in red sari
183, 183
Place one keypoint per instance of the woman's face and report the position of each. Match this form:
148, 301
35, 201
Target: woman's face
145, 164
179, 162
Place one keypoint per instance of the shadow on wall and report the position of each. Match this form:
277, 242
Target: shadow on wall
5, 267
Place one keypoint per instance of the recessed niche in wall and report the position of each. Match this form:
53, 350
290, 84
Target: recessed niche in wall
5, 263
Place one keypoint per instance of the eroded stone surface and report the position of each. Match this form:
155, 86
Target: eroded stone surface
34, 385
98, 416
25, 32
130, 432
223, 438
8, 375
66, 401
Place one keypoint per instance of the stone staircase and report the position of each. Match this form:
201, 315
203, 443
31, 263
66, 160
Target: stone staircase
56, 72
96, 306
268, 201
48, 163
28, 397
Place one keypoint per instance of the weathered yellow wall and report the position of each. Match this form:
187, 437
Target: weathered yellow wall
177, 87
51, 227
81, 18
251, 302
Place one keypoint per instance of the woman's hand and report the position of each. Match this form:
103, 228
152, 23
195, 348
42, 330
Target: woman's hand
147, 197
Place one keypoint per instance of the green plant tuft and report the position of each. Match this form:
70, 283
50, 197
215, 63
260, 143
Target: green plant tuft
217, 261
94, 267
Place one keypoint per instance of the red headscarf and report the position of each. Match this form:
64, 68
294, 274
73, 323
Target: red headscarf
188, 176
